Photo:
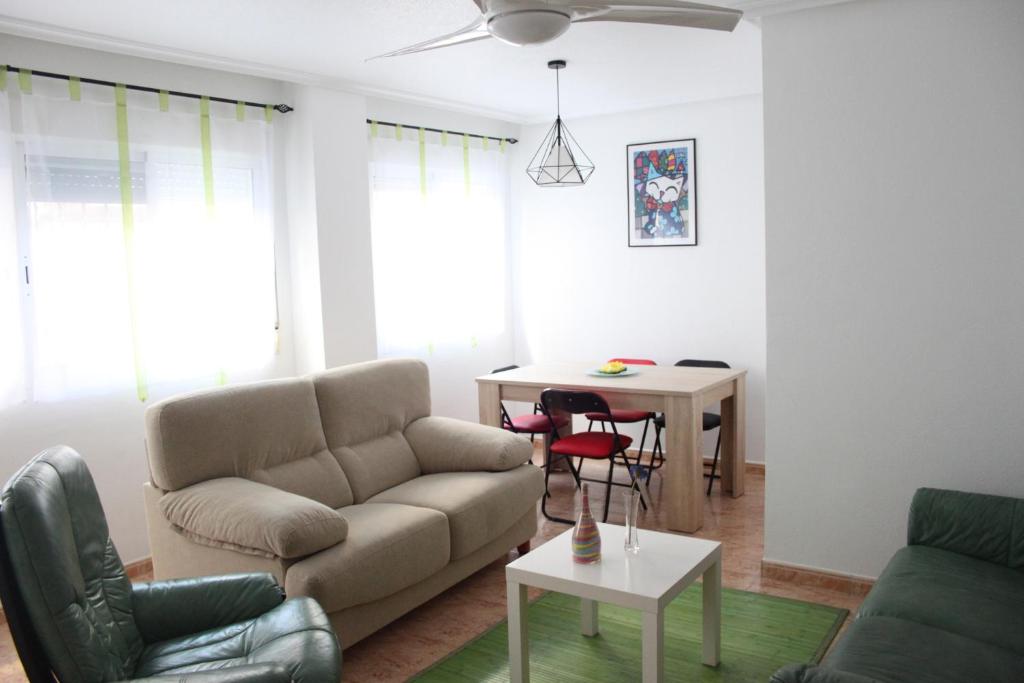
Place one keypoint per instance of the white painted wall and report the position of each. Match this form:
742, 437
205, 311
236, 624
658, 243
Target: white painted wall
894, 140
108, 430
582, 294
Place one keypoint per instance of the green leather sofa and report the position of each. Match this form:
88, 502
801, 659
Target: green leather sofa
75, 617
949, 607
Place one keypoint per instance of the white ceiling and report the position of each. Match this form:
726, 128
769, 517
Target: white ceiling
612, 67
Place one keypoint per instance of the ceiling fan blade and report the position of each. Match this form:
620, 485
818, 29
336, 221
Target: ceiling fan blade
661, 12
475, 31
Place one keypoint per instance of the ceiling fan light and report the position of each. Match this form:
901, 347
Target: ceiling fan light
529, 26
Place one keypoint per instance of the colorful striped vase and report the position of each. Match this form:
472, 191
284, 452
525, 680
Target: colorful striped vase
586, 539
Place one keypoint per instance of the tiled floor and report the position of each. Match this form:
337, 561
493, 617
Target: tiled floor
463, 612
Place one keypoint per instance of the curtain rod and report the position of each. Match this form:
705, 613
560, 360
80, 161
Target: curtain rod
511, 141
283, 108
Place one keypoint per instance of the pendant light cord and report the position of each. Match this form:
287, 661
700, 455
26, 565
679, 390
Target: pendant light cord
558, 95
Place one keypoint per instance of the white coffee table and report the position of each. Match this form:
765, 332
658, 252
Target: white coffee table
665, 566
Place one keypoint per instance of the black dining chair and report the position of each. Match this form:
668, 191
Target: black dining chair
585, 445
537, 423
710, 421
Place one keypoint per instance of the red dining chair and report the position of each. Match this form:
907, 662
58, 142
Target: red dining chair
619, 416
585, 445
535, 424
709, 421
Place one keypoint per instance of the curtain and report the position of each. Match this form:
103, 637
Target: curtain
439, 209
12, 371
148, 238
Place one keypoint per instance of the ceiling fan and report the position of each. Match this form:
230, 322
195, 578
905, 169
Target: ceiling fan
532, 22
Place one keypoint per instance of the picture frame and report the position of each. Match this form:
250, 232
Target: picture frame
662, 193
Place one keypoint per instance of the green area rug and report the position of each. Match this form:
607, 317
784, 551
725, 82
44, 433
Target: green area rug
760, 633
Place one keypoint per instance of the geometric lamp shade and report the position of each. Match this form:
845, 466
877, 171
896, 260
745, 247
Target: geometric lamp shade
560, 161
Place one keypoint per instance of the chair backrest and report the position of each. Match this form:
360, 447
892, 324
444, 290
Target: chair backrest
633, 361
507, 367
574, 402
66, 587
691, 363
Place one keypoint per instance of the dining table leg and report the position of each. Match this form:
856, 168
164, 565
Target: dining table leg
489, 400
734, 456
684, 468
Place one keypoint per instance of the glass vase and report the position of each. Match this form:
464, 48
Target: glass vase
631, 500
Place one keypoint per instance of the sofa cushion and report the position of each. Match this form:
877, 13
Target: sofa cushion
479, 506
377, 464
364, 409
388, 548
252, 518
973, 598
891, 650
265, 431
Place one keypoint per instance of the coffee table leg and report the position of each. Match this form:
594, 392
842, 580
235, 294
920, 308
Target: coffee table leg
518, 638
588, 617
654, 647
712, 591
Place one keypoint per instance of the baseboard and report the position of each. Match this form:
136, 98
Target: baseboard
134, 570
820, 578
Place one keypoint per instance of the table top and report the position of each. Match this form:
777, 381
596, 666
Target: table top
649, 379
648, 580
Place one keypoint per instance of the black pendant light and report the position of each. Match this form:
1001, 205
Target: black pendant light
560, 161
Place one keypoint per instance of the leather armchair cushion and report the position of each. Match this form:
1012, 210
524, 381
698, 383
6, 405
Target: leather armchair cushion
213, 602
248, 673
975, 599
296, 635
389, 547
480, 506
807, 673
442, 444
253, 518
982, 526
893, 650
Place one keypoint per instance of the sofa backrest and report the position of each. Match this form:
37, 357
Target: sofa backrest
364, 409
268, 432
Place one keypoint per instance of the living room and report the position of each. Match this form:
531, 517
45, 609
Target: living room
259, 275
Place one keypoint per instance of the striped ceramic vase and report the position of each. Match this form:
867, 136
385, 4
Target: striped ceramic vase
586, 539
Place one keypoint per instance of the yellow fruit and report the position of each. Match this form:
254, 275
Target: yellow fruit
613, 368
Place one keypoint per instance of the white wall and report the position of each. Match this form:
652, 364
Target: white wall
894, 147
582, 294
108, 431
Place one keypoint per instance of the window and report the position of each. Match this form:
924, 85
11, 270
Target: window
165, 278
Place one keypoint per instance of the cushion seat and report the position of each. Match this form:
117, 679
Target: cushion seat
891, 650
296, 632
537, 424
389, 547
980, 600
589, 444
479, 506
623, 416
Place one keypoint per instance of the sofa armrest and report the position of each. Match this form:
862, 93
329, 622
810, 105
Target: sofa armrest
986, 527
806, 673
246, 673
442, 444
253, 518
178, 607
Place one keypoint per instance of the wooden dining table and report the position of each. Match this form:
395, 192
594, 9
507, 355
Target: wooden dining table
680, 393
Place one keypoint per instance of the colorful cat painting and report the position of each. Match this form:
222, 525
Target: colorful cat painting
660, 191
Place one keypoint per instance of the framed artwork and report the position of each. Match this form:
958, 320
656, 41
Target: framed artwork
662, 193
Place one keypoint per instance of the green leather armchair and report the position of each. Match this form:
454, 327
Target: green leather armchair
76, 618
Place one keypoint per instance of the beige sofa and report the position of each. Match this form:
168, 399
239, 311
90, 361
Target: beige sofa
341, 484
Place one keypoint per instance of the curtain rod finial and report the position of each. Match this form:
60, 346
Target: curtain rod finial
283, 108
